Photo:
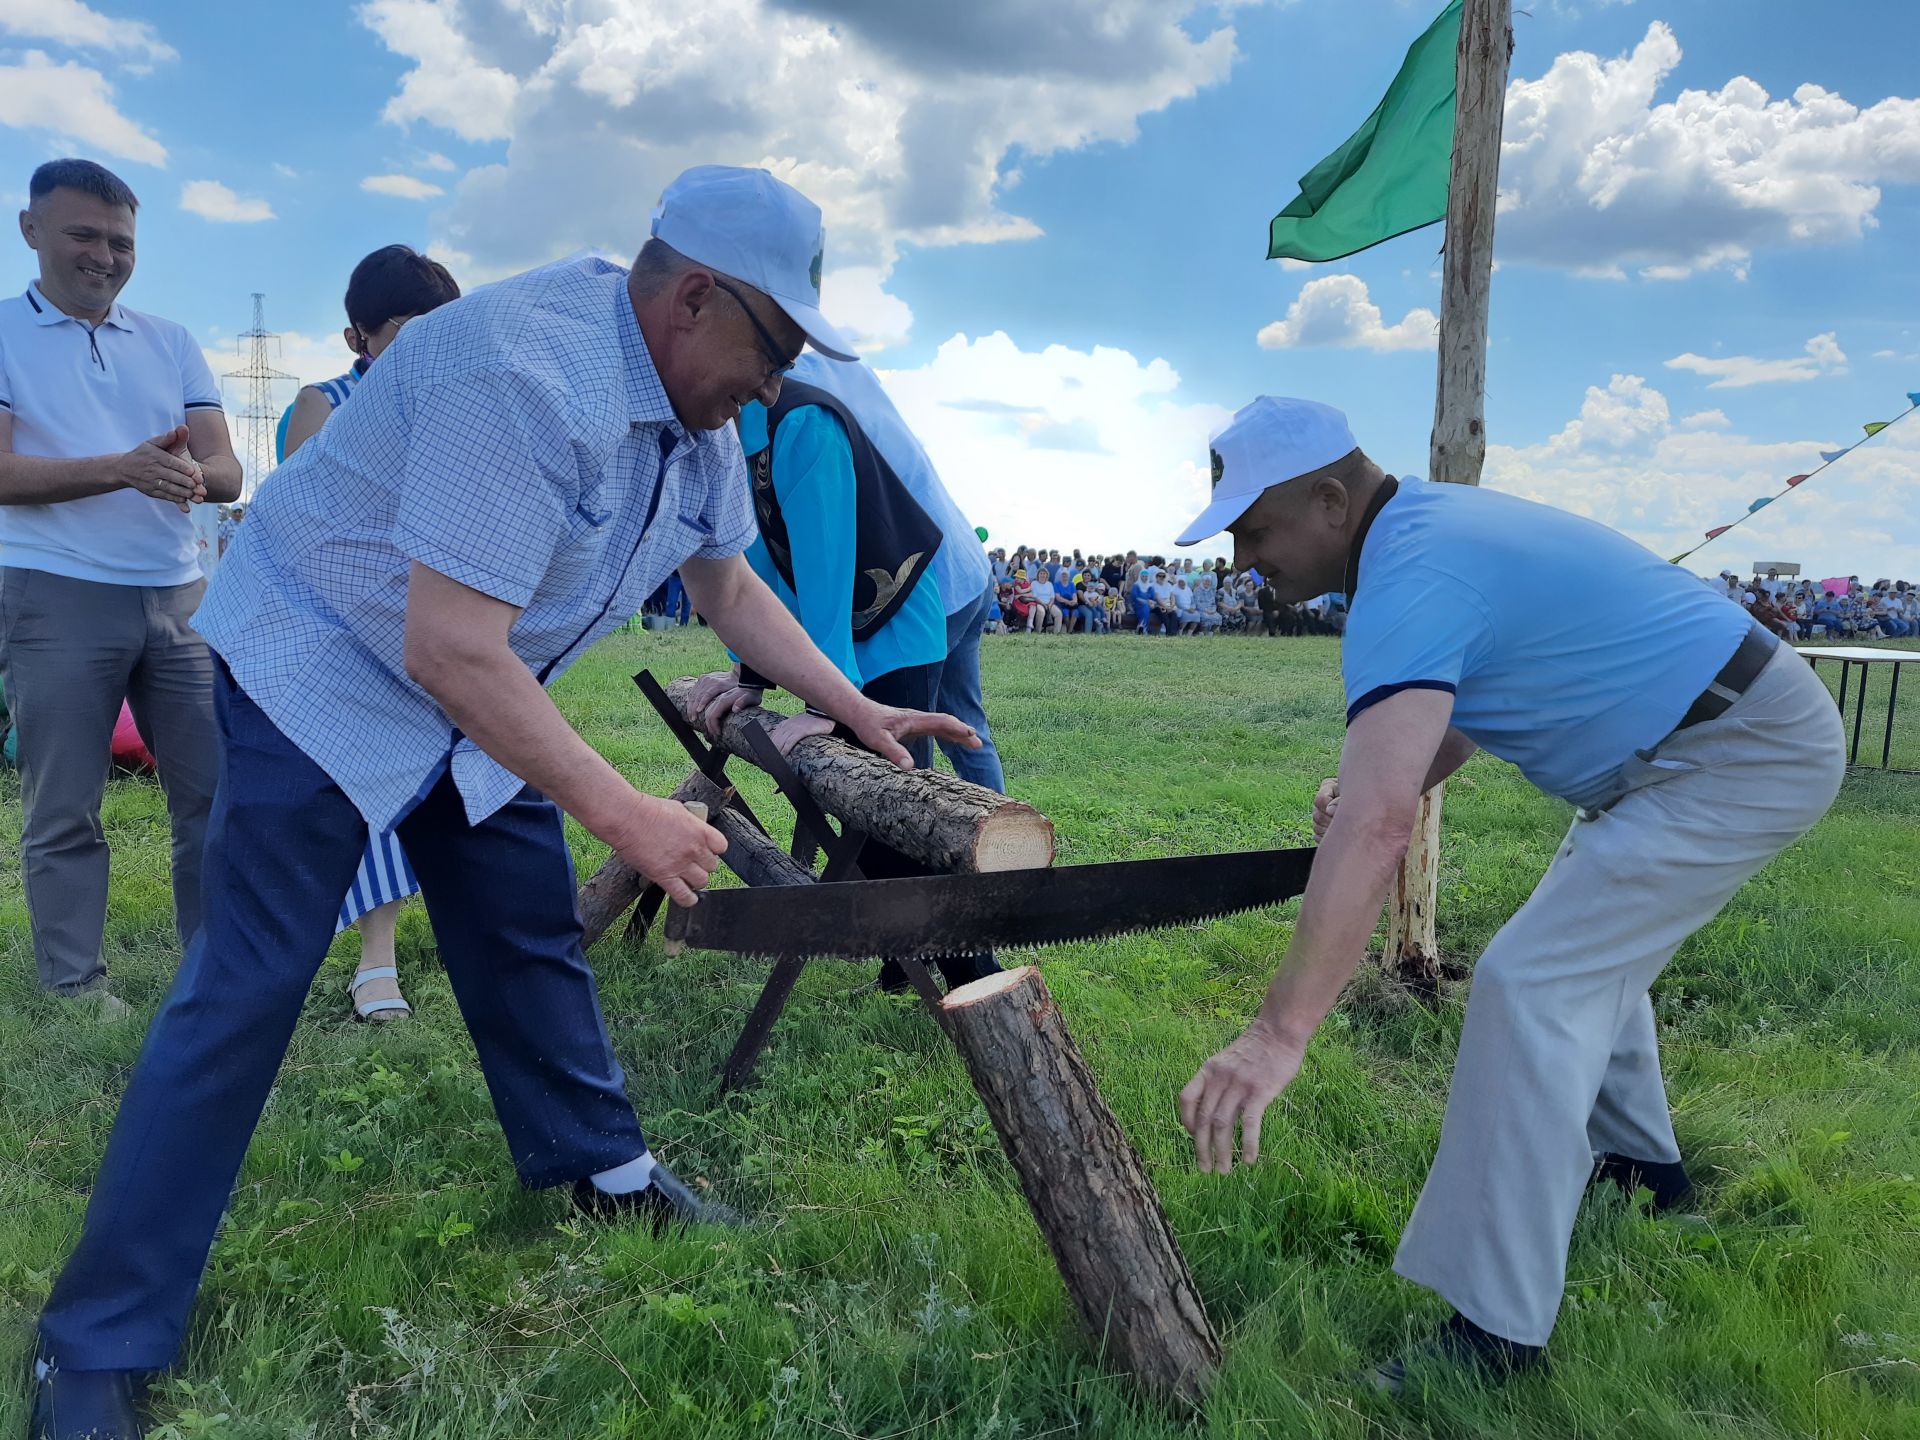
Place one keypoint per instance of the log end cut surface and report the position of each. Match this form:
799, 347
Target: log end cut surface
1014, 837
988, 987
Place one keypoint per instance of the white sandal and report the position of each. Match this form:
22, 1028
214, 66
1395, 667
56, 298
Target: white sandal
377, 1011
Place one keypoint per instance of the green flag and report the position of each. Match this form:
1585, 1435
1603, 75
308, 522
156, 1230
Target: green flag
1391, 175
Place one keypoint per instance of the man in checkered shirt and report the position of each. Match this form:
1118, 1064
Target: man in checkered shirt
521, 470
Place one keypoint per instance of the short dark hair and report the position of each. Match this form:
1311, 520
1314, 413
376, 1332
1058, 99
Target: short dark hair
396, 280
657, 265
84, 176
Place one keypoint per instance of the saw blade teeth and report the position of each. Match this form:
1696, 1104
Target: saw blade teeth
950, 946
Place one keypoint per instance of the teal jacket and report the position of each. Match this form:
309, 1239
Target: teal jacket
813, 480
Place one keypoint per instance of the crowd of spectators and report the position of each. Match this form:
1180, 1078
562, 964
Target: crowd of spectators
1830, 609
1063, 592
1068, 592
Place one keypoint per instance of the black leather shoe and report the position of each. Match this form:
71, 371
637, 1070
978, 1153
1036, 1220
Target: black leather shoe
1667, 1179
665, 1204
1461, 1347
84, 1405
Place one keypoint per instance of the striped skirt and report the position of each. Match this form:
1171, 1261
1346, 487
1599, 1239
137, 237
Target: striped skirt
384, 875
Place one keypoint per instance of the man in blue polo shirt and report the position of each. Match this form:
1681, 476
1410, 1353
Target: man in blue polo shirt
110, 428
1692, 763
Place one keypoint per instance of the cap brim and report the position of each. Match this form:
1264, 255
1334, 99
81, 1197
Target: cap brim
1215, 518
820, 333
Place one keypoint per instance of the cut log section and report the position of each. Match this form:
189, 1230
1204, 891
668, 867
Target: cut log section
1085, 1183
750, 855
939, 819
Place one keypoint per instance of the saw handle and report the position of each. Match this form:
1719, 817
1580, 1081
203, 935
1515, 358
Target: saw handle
676, 938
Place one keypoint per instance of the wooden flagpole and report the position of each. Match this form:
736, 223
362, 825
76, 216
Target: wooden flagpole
1459, 410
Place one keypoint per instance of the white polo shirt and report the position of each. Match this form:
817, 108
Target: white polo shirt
76, 390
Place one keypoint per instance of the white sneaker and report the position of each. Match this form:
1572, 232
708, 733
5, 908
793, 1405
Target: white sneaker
108, 1008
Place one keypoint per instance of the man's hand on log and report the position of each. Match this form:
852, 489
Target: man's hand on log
716, 696
795, 728
1325, 801
1236, 1087
881, 728
672, 847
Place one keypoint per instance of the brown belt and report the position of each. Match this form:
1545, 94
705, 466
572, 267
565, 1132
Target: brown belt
1734, 677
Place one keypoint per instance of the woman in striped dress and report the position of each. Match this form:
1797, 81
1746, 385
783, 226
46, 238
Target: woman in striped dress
387, 289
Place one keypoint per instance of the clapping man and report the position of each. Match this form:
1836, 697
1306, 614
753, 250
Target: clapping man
110, 429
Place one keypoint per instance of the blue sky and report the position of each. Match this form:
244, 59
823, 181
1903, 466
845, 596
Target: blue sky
1049, 221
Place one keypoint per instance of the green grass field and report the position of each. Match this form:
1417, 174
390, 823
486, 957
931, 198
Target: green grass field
382, 1274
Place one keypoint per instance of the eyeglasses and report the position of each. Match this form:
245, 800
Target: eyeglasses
769, 347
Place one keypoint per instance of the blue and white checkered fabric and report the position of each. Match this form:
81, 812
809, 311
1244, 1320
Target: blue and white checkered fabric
518, 441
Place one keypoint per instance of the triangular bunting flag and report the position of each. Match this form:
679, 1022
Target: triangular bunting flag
1914, 396
1763, 500
1874, 427
1718, 530
1793, 480
1832, 455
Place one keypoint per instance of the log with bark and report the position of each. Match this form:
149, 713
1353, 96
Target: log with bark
749, 854
1084, 1182
939, 819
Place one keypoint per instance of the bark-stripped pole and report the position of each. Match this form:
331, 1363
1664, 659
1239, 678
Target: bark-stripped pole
1459, 406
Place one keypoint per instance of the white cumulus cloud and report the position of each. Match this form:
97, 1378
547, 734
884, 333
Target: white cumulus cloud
1060, 446
867, 313
1337, 310
1626, 411
404, 187
1823, 356
1671, 485
900, 121
68, 22
449, 86
211, 200
74, 103
1598, 176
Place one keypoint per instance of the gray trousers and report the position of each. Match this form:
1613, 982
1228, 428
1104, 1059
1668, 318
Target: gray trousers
70, 652
1557, 1059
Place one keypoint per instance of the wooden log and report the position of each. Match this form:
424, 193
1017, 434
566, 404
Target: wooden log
1411, 954
750, 855
1459, 444
938, 819
1085, 1184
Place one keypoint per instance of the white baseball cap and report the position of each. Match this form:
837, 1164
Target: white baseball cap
755, 228
1270, 441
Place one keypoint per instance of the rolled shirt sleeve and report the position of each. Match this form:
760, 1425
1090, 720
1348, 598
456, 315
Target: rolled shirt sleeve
491, 486
1415, 630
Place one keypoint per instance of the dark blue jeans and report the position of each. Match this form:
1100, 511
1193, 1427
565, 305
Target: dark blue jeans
282, 844
959, 695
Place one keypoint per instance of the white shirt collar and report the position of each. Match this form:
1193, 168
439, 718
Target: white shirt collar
45, 312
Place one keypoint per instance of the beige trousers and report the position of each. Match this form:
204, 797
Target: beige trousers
1557, 1058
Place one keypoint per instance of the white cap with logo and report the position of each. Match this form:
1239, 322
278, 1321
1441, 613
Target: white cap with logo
1270, 441
746, 224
